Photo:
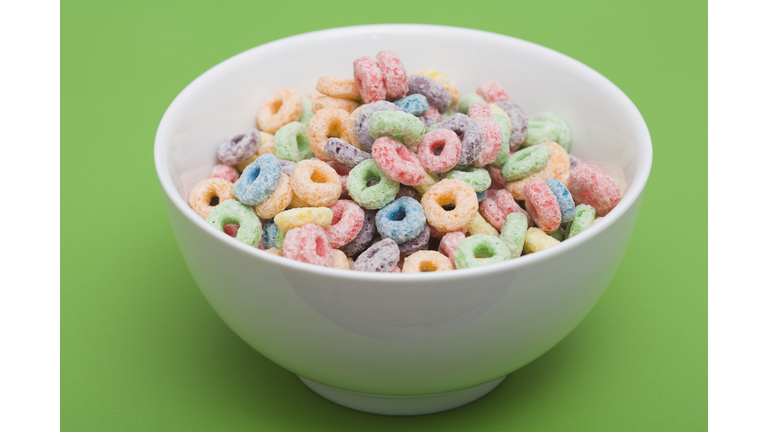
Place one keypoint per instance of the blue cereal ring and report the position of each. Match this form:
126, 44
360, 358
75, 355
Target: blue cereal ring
481, 195
415, 104
402, 220
564, 200
271, 231
259, 180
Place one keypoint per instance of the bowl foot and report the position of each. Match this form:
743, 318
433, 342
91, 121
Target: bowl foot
402, 405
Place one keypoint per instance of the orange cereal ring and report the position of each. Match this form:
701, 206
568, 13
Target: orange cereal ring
558, 164
316, 183
349, 128
340, 260
210, 193
277, 201
297, 202
280, 108
314, 94
274, 251
267, 140
454, 92
338, 87
445, 193
426, 261
327, 123
334, 102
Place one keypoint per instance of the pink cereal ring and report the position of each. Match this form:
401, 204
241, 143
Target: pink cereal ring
369, 80
492, 91
434, 114
231, 229
225, 172
542, 205
498, 205
343, 172
590, 185
497, 181
308, 244
393, 74
397, 162
449, 146
449, 243
479, 110
491, 141
346, 224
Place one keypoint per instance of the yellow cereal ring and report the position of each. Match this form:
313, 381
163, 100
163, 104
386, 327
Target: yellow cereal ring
277, 201
559, 162
332, 102
429, 181
338, 87
435, 75
537, 240
327, 123
212, 190
426, 261
280, 108
351, 262
267, 140
496, 110
274, 251
296, 218
316, 183
444, 193
314, 94
454, 92
478, 225
340, 260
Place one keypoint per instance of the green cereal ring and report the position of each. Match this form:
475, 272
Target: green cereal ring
547, 127
513, 233
525, 162
235, 212
369, 186
307, 114
480, 250
467, 101
404, 127
506, 129
279, 238
478, 178
585, 217
556, 234
291, 143
431, 128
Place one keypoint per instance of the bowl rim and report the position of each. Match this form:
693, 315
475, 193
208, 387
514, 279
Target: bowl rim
644, 155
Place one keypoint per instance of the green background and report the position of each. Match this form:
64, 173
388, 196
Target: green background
142, 350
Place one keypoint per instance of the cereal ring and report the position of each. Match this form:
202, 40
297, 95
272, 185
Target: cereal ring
497, 207
266, 142
398, 125
381, 257
363, 122
316, 183
431, 117
455, 94
346, 223
449, 243
420, 243
481, 195
295, 218
279, 239
225, 172
436, 233
525, 162
479, 110
492, 91
429, 181
308, 244
436, 94
491, 143
415, 104
332, 102
513, 233
287, 166
297, 202
585, 218
478, 225
477, 178
467, 101
537, 240
369, 80
274, 251
327, 123
444, 193
238, 148
397, 162
426, 261
409, 192
563, 178
506, 127
557, 234
231, 229
306, 113
480, 250
342, 152
518, 120
343, 172
558, 164
291, 142
402, 220
436, 75
258, 181
439, 150
338, 87
271, 231
314, 94
393, 74
471, 137
340, 260
363, 238
542, 205
277, 201
370, 187
591, 185
547, 127
234, 212
564, 200
279, 109
349, 128
575, 161
209, 193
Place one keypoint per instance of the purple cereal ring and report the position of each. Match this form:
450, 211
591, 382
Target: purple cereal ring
437, 96
471, 137
363, 238
519, 122
286, 166
363, 121
381, 257
343, 152
418, 244
240, 147
408, 192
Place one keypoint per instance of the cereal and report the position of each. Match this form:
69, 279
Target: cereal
370, 187
513, 233
564, 200
274, 251
402, 220
363, 122
525, 162
363, 238
556, 234
287, 166
537, 240
480, 250
505, 127
234, 212
436, 94
518, 120
393, 74
439, 150
585, 217
316, 183
431, 117
209, 193
327, 123
369, 80
478, 225
471, 137
397, 162
420, 243
343, 172
346, 223
449, 243
436, 75
308, 244
469, 100
542, 205
426, 261
481, 195
491, 141
295, 218
225, 172
258, 181
271, 231
343, 152
291, 143
497, 207
429, 181
231, 229
444, 193
558, 164
307, 113
280, 108
409, 192
332, 102
399, 125
477, 178
314, 94
277, 201
297, 202
338, 87
591, 185
238, 148
380, 257
415, 104
492, 91
547, 127
349, 128
340, 260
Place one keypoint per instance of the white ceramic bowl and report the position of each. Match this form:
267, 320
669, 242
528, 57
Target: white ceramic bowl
402, 343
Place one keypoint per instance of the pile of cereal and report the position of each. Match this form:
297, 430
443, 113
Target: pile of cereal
391, 173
